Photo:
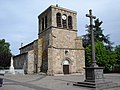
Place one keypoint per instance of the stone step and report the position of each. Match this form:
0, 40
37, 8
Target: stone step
84, 85
107, 85
104, 85
88, 83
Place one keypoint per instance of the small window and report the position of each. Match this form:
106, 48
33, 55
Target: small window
58, 19
66, 52
46, 22
70, 22
42, 23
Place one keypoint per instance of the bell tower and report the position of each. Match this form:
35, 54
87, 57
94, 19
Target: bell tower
58, 42
57, 17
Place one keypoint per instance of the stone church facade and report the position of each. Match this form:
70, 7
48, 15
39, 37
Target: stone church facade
58, 49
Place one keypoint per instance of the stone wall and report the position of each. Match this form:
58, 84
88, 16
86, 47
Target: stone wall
39, 54
63, 38
57, 56
65, 41
43, 44
36, 67
30, 62
42, 16
26, 48
20, 61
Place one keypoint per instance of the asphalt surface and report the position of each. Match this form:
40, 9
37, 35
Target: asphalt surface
43, 82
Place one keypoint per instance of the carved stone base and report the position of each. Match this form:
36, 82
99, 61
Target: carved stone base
98, 86
95, 79
94, 74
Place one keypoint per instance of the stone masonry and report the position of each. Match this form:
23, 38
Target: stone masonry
58, 49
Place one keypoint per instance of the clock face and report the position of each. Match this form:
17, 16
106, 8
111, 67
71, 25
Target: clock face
63, 17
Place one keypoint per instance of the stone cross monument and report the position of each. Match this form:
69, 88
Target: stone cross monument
93, 73
92, 37
94, 77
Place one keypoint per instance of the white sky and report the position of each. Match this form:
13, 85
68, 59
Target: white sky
18, 18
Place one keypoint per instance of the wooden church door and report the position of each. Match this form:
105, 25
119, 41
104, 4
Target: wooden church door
66, 67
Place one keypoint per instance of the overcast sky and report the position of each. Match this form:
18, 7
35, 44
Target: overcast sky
19, 18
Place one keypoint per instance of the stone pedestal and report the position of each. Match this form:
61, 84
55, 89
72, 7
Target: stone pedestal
94, 74
94, 78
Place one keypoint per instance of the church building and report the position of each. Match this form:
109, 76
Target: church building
58, 49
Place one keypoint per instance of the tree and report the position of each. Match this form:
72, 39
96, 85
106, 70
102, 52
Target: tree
5, 53
117, 51
103, 57
103, 47
98, 35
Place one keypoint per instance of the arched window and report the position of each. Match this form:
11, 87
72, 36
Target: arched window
42, 23
64, 21
46, 22
58, 19
39, 25
70, 22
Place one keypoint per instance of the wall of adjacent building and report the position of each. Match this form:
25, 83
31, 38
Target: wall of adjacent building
20, 61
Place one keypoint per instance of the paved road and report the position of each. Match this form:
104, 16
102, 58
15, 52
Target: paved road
42, 82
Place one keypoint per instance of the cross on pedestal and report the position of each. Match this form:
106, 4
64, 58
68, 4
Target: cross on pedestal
92, 38
93, 73
94, 77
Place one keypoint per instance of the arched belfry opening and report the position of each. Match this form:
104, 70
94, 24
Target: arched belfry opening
66, 66
64, 20
70, 22
58, 19
43, 24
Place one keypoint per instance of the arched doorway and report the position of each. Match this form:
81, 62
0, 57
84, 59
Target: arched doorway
66, 66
